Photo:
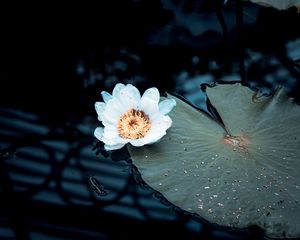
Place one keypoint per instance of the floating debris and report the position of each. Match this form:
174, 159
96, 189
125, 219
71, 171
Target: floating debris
96, 186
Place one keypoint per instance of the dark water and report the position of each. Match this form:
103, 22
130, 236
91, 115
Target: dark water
57, 60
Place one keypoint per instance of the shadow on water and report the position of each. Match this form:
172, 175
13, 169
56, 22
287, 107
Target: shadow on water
45, 189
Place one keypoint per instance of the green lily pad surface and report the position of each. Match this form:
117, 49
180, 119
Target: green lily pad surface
246, 175
279, 4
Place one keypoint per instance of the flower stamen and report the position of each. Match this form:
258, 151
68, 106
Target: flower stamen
133, 124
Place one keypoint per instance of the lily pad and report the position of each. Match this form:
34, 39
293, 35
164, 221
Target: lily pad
279, 4
245, 175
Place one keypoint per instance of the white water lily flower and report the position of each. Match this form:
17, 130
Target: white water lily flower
129, 118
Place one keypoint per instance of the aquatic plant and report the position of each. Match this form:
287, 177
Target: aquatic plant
129, 118
279, 4
242, 173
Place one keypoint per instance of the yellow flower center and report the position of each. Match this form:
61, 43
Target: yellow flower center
133, 124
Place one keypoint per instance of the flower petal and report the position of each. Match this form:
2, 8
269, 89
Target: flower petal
153, 138
111, 136
164, 123
152, 93
117, 89
149, 101
110, 132
99, 133
149, 107
158, 129
106, 96
112, 112
129, 97
137, 142
100, 107
114, 147
114, 141
166, 106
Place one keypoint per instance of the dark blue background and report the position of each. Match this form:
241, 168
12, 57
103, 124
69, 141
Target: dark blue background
57, 59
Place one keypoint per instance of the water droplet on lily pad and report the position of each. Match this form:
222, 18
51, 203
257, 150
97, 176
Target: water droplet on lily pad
246, 153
